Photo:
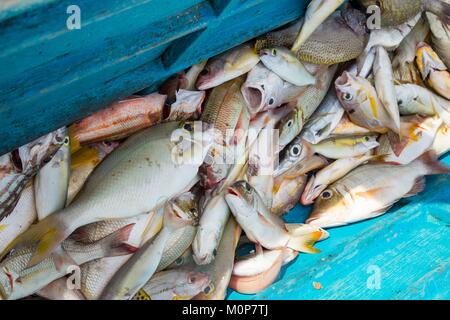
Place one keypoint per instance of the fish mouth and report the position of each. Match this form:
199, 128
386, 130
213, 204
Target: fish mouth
254, 97
233, 192
343, 80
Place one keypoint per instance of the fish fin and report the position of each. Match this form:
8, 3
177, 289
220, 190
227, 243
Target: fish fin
418, 187
373, 193
398, 142
74, 141
439, 8
431, 162
303, 237
381, 211
47, 234
114, 243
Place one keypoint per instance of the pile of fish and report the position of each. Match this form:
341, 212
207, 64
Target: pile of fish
151, 197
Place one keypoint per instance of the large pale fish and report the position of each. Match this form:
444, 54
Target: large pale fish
335, 171
263, 227
138, 270
128, 182
188, 105
20, 166
52, 182
370, 190
177, 284
316, 13
83, 162
119, 120
227, 66
434, 71
440, 37
23, 215
324, 120
360, 101
18, 281
338, 148
286, 65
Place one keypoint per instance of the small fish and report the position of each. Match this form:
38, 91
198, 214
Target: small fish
227, 66
263, 227
441, 143
346, 128
52, 182
83, 162
434, 71
416, 99
178, 284
138, 270
119, 120
384, 85
188, 105
171, 151
286, 192
440, 37
20, 219
335, 171
316, 13
324, 120
396, 12
418, 135
20, 166
370, 190
18, 281
360, 101
59, 290
338, 148
297, 152
285, 64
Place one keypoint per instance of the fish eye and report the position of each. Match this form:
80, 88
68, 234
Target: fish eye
191, 279
289, 123
295, 150
274, 52
187, 127
179, 261
347, 96
207, 290
66, 140
204, 72
271, 101
215, 252
327, 194
247, 187
400, 102
367, 138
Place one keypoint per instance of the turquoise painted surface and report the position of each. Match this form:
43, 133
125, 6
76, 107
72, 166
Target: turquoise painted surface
409, 246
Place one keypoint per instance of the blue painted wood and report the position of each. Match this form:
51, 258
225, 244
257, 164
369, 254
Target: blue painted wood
52, 76
409, 246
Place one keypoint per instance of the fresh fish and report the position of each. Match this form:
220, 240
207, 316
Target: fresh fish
188, 105
227, 66
346, 128
297, 152
181, 239
284, 63
396, 12
178, 284
384, 85
338, 148
219, 271
59, 290
341, 37
441, 143
414, 98
83, 162
23, 215
169, 152
20, 166
418, 135
360, 101
335, 171
306, 105
119, 120
316, 13
440, 37
18, 281
286, 192
263, 227
262, 90
434, 71
138, 270
370, 190
96, 274
324, 120
52, 182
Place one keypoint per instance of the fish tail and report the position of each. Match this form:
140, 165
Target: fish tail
439, 8
432, 164
303, 237
75, 144
47, 234
114, 243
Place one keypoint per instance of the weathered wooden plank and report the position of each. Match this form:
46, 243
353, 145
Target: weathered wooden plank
408, 246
